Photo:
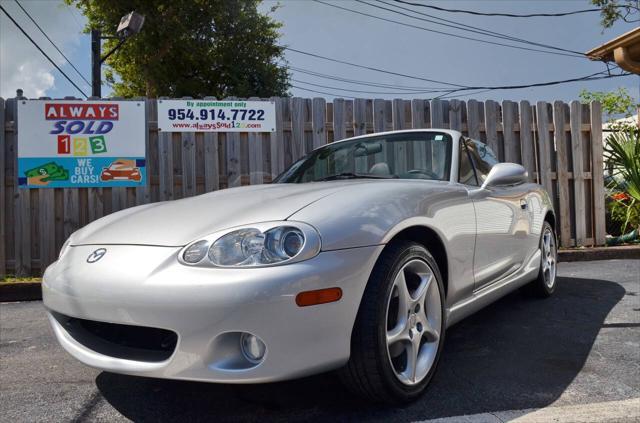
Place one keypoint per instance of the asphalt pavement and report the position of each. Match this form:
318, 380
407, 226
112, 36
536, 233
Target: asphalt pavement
518, 357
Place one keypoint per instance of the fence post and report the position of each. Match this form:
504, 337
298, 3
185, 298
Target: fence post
526, 141
597, 174
511, 144
188, 144
562, 177
255, 155
3, 214
21, 199
575, 120
544, 147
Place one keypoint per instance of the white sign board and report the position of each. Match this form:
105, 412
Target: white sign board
216, 116
73, 143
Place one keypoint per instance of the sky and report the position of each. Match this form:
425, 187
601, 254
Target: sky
324, 30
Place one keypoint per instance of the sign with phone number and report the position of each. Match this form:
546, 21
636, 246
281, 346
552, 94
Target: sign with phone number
216, 116
77, 144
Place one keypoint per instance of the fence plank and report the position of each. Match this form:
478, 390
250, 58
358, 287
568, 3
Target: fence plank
509, 120
399, 158
298, 145
561, 171
3, 200
211, 159
47, 227
578, 172
339, 129
473, 119
491, 126
71, 211
359, 116
254, 141
188, 141
21, 198
526, 139
318, 116
143, 193
544, 146
276, 142
455, 114
165, 165
379, 115
597, 170
437, 114
363, 164
422, 154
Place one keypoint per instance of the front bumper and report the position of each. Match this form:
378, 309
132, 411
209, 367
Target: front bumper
146, 286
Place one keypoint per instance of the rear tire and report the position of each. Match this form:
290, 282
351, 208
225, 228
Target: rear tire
399, 333
545, 284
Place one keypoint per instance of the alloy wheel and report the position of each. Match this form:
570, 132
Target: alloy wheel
549, 258
414, 322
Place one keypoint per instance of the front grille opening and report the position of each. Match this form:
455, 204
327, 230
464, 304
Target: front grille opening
128, 342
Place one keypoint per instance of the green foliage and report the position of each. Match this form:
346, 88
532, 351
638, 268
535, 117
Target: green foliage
622, 155
622, 158
624, 214
192, 48
614, 103
614, 10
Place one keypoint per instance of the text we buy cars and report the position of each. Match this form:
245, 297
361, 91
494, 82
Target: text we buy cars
81, 144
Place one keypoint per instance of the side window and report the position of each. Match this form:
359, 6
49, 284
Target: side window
483, 158
466, 174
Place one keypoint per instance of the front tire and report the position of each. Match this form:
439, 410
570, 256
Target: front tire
545, 284
399, 330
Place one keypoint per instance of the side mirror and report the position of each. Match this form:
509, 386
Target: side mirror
503, 174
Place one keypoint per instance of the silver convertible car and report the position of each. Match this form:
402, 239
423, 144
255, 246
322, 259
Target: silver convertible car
357, 258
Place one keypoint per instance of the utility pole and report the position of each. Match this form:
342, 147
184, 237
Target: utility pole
96, 62
130, 25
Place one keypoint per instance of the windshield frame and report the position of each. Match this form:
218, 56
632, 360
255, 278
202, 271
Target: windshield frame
450, 152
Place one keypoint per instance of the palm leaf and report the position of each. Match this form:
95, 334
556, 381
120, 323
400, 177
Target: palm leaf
622, 153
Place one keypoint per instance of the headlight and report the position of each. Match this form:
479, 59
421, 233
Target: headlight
263, 244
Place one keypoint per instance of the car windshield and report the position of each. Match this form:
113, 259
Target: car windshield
408, 155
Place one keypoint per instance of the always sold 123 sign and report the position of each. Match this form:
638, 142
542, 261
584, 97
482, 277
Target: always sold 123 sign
72, 143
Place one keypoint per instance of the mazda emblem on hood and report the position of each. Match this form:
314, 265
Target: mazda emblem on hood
96, 255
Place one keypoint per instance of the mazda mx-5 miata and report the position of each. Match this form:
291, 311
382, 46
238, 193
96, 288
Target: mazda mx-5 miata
357, 258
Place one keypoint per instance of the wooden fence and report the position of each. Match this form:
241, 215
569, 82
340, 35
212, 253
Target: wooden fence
560, 145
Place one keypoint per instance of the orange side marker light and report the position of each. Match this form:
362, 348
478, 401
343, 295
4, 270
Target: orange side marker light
320, 296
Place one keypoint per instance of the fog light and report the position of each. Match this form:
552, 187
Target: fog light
252, 347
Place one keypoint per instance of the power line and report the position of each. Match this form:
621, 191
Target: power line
465, 27
509, 15
371, 68
41, 51
370, 92
364, 83
322, 92
592, 77
445, 33
54, 44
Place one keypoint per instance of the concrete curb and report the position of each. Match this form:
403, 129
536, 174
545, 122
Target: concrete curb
624, 252
20, 291
31, 291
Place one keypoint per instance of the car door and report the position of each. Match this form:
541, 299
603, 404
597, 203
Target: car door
502, 221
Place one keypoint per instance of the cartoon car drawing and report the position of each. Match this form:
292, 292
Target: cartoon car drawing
121, 169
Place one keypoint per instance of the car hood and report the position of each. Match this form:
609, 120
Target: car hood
179, 222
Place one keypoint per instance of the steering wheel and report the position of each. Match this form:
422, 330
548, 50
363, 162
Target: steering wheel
429, 173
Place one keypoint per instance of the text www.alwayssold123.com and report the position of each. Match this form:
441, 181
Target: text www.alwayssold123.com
215, 125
